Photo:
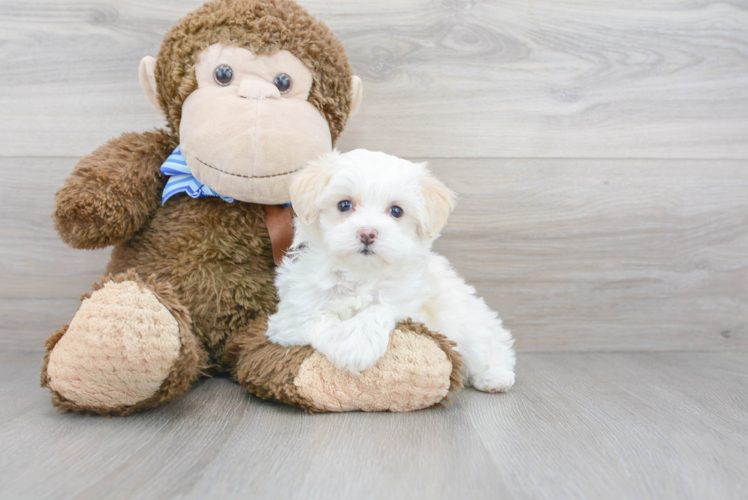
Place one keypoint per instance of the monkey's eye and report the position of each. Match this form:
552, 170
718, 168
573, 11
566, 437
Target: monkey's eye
223, 75
396, 211
283, 82
345, 206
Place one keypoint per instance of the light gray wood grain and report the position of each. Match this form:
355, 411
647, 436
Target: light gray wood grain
457, 78
576, 255
581, 426
634, 425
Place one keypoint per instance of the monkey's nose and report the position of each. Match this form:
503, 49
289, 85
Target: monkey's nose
254, 89
368, 235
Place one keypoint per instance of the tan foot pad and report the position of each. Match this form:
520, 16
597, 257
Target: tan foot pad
413, 374
117, 351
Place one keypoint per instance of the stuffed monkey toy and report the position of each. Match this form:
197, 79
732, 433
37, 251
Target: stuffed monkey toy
198, 217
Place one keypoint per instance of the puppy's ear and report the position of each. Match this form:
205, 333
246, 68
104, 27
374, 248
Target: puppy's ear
308, 185
439, 201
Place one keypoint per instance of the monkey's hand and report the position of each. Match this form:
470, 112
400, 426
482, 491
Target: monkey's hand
113, 191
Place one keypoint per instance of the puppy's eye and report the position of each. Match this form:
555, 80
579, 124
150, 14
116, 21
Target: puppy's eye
223, 75
345, 206
283, 82
396, 212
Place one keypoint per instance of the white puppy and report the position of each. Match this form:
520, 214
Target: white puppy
361, 261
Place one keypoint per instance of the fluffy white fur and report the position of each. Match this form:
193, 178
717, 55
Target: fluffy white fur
344, 297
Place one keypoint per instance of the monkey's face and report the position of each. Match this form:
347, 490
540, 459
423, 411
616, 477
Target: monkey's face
248, 126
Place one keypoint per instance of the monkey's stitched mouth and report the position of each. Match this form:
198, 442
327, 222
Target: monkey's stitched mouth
249, 176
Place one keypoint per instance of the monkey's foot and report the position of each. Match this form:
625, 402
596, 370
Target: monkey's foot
418, 370
129, 347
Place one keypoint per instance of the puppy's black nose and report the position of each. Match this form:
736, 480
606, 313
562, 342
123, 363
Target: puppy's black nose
367, 235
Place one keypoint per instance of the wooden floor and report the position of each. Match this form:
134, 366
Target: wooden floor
577, 426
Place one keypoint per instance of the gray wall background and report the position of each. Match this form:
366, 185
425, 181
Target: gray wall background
599, 150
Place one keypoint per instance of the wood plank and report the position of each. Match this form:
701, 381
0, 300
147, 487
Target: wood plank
543, 79
605, 255
582, 426
33, 257
635, 426
576, 255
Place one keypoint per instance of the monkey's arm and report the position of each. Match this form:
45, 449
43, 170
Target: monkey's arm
112, 191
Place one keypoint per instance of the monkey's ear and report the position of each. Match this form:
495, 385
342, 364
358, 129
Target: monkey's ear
147, 74
357, 93
439, 201
308, 185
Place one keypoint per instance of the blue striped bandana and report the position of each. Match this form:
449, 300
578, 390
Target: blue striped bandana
181, 179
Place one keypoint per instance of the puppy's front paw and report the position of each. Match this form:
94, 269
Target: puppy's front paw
494, 379
355, 349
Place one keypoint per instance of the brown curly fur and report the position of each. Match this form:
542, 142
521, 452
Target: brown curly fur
218, 258
128, 184
263, 27
255, 365
189, 366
